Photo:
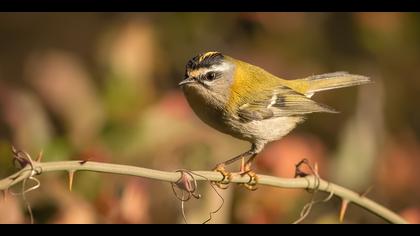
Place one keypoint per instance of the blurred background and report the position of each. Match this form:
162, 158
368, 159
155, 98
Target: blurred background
103, 87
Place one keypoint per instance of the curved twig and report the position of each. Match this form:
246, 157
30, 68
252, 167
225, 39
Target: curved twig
308, 182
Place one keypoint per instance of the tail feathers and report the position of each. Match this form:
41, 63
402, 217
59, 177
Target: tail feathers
317, 83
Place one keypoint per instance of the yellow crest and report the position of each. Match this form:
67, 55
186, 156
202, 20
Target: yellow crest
205, 55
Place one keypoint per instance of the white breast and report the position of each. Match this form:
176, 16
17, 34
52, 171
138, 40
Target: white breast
268, 130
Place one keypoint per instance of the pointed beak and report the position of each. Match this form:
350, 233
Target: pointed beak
186, 81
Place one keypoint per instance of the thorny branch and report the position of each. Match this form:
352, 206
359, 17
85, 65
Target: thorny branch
29, 169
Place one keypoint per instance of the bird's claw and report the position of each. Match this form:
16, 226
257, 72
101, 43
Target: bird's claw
253, 180
223, 184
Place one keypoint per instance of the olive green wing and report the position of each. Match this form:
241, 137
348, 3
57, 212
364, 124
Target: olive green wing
280, 102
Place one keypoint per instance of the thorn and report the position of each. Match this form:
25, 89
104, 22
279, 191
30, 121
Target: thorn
81, 162
40, 155
4, 195
343, 209
14, 149
366, 192
71, 177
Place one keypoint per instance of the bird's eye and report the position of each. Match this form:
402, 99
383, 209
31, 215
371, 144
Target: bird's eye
210, 76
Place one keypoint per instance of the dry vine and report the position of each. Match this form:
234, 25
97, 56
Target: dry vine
314, 172
188, 185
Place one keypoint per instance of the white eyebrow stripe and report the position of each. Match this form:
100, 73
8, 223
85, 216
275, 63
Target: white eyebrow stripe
225, 66
221, 67
216, 68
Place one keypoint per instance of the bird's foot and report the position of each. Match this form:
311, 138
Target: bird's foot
253, 178
223, 184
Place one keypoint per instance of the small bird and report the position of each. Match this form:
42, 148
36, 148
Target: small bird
251, 104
